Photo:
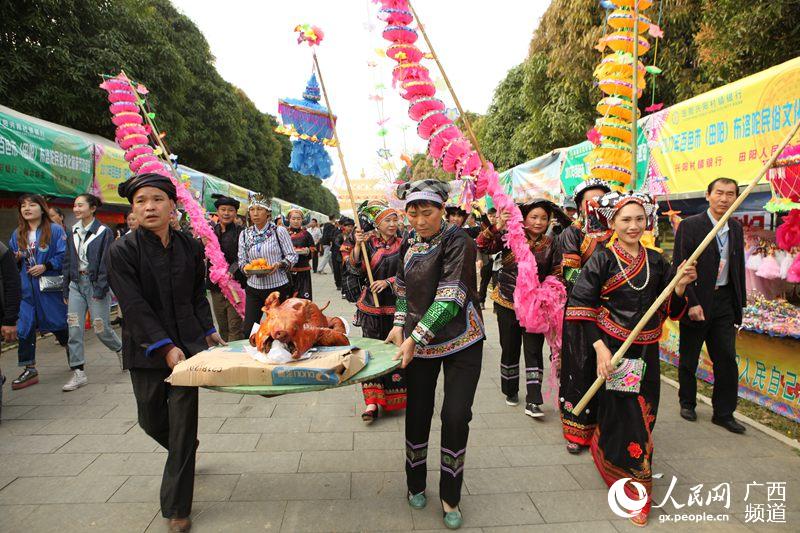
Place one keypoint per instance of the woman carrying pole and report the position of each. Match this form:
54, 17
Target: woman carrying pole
387, 392
438, 327
617, 284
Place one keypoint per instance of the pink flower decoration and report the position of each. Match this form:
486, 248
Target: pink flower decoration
655, 31
653, 108
630, 380
594, 136
788, 234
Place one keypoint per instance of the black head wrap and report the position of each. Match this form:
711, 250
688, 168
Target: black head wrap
128, 188
552, 210
455, 210
221, 199
428, 190
587, 184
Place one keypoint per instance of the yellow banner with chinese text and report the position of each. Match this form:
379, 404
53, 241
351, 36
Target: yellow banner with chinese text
729, 131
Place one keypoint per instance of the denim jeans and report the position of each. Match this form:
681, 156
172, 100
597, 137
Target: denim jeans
81, 299
26, 350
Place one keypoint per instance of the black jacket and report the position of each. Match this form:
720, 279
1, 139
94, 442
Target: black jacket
162, 294
336, 245
328, 232
690, 233
441, 269
99, 238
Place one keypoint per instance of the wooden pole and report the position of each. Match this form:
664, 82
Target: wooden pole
692, 258
364, 255
164, 151
635, 95
467, 125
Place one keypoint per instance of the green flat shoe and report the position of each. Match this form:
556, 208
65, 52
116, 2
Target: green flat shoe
453, 519
417, 501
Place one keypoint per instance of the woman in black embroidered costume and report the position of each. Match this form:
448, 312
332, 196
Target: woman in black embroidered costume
437, 325
575, 372
303, 244
616, 287
383, 248
536, 216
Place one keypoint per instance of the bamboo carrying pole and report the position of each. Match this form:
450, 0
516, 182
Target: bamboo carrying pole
472, 138
692, 258
164, 150
364, 255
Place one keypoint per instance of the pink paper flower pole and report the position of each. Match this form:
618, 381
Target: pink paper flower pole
132, 135
538, 306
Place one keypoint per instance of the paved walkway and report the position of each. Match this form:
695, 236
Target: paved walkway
78, 461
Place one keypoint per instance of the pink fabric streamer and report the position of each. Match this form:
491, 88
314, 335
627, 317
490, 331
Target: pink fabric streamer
539, 306
142, 158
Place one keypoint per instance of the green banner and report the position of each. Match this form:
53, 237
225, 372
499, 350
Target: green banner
575, 168
42, 160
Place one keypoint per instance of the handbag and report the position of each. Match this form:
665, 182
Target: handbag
51, 283
627, 377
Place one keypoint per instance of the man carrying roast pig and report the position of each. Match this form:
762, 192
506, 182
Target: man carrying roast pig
158, 275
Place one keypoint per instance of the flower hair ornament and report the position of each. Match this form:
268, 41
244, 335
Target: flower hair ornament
602, 211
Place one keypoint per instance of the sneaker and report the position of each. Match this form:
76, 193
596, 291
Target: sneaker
29, 376
512, 399
533, 410
77, 381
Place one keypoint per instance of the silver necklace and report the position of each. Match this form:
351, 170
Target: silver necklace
627, 279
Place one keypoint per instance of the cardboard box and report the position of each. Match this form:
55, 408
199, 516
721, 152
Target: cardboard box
233, 365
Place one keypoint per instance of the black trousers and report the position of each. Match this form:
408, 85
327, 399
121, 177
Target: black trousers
169, 415
301, 284
315, 258
486, 277
719, 334
254, 301
512, 338
336, 266
461, 372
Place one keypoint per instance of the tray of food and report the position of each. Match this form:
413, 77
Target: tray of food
258, 267
295, 348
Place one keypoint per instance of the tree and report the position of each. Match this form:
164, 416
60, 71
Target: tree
549, 100
53, 50
736, 41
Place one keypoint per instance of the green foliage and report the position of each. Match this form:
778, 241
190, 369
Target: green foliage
548, 101
52, 52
